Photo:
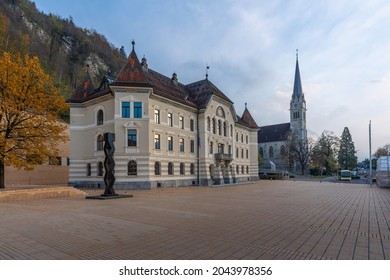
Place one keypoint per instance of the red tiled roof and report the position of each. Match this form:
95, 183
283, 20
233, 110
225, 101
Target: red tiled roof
202, 91
85, 89
132, 71
248, 119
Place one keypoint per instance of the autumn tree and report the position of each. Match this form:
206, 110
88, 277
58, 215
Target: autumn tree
347, 154
325, 151
300, 151
382, 151
29, 110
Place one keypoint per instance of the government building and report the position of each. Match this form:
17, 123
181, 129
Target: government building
167, 134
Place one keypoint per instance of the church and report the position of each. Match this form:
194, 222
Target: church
273, 139
167, 133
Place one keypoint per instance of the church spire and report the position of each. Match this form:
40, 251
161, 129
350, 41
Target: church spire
297, 81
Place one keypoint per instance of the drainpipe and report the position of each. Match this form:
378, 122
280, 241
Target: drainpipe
198, 145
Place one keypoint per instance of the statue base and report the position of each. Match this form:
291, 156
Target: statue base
108, 196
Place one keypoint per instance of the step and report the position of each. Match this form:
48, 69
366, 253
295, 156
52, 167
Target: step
38, 193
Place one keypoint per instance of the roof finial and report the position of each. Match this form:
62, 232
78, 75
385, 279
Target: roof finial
133, 43
245, 105
207, 71
297, 53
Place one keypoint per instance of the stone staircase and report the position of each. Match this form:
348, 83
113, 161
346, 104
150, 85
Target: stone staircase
38, 193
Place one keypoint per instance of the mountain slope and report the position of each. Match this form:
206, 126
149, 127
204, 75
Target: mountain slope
64, 49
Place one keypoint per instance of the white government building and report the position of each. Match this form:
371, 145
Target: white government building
166, 133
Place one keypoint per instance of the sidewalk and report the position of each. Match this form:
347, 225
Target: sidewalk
267, 220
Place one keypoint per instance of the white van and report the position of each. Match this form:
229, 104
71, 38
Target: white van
382, 171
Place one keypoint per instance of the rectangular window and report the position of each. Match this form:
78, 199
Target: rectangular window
246, 138
192, 125
170, 119
132, 138
138, 110
157, 142
125, 109
211, 147
170, 143
221, 148
181, 144
192, 146
156, 115
247, 154
181, 122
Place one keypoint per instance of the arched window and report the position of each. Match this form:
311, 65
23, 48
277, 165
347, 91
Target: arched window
224, 129
100, 142
100, 117
192, 168
214, 126
242, 169
182, 168
170, 168
271, 152
157, 168
132, 167
247, 169
237, 169
100, 169
261, 152
208, 124
282, 151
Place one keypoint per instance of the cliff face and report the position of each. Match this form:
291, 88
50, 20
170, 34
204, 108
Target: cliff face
63, 48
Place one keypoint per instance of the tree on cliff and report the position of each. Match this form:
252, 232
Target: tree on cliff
29, 110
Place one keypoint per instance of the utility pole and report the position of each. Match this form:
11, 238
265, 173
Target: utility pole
369, 144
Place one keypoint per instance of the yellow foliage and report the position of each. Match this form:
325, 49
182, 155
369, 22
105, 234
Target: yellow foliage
29, 108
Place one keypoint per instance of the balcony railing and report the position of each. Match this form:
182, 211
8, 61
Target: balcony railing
221, 156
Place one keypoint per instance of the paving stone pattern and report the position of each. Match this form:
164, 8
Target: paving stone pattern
280, 220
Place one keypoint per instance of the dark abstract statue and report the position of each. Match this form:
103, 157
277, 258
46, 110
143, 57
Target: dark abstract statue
109, 164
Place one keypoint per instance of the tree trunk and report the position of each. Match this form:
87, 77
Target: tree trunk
2, 177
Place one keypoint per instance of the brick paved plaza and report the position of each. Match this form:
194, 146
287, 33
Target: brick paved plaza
266, 220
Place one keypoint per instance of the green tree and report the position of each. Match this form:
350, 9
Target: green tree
122, 52
325, 152
347, 154
29, 111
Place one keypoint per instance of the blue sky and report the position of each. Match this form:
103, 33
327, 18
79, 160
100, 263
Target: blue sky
344, 53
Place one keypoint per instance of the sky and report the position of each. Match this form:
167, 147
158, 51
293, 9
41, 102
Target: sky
250, 46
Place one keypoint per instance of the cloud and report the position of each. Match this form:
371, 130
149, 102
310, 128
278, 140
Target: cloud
250, 46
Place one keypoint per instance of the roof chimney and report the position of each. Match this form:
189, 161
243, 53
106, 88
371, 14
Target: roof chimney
144, 64
174, 78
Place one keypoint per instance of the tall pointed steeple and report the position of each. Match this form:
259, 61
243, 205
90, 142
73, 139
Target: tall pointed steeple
298, 107
297, 92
